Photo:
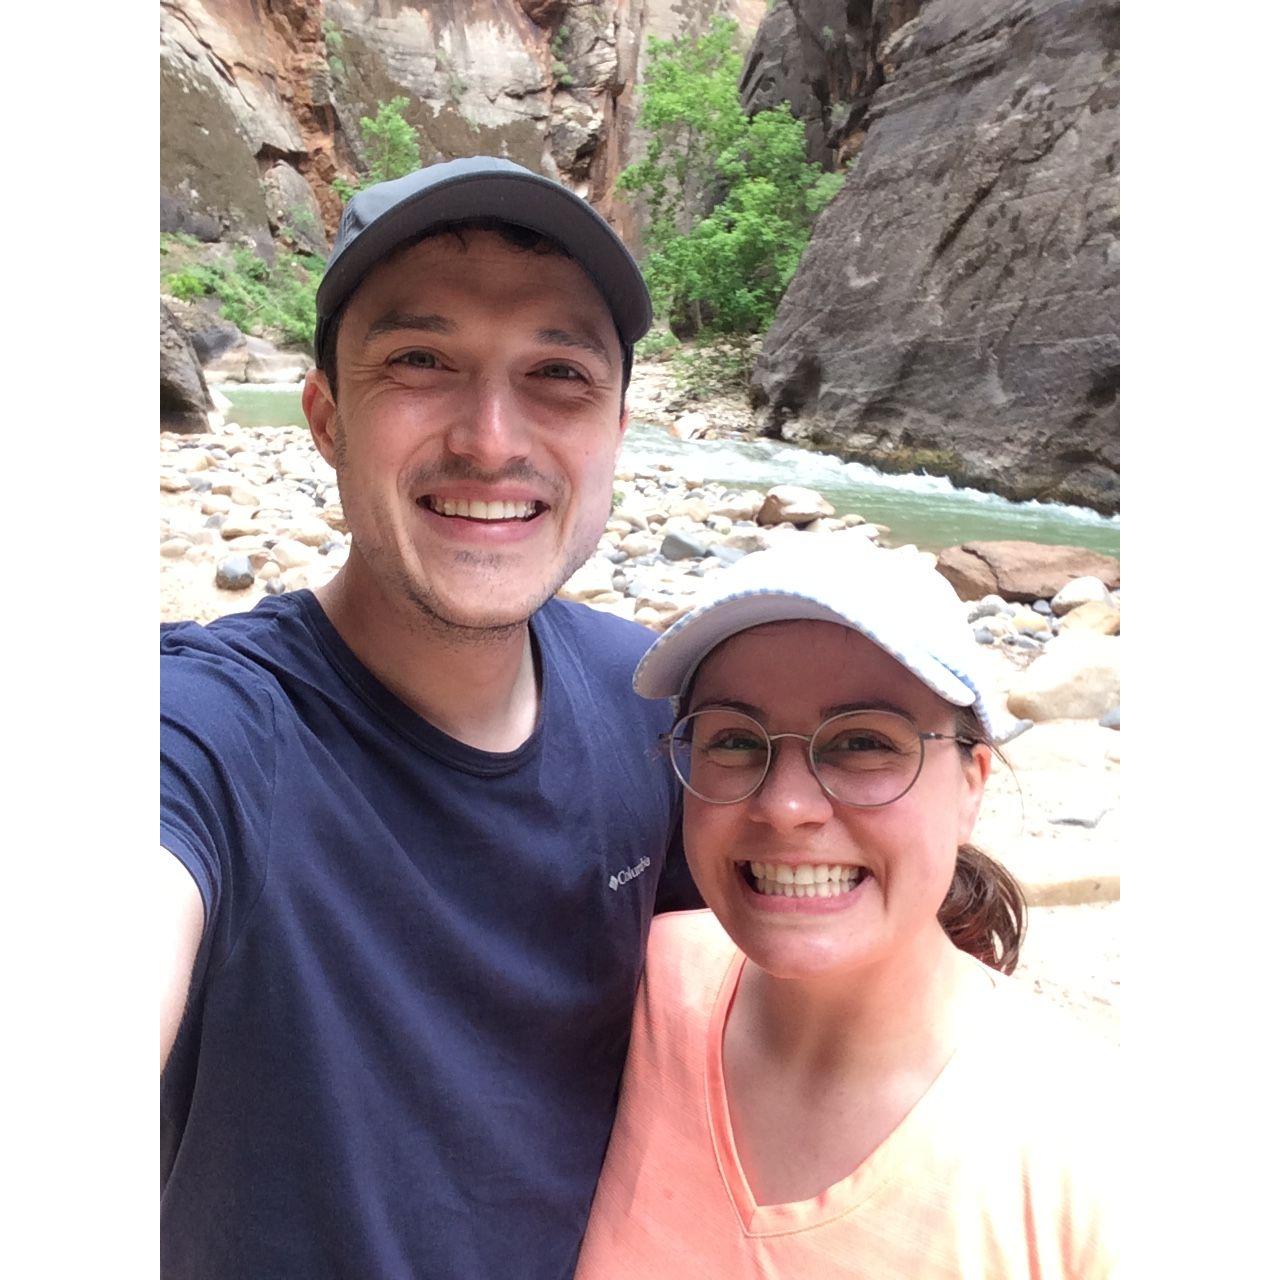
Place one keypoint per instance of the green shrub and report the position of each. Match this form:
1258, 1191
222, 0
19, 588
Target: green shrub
391, 144
656, 341
725, 268
715, 368
278, 301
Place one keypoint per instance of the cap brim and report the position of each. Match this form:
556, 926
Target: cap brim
523, 199
670, 663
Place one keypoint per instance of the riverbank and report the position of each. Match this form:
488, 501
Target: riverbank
247, 512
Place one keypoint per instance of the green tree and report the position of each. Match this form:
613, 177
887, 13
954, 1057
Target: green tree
731, 201
391, 145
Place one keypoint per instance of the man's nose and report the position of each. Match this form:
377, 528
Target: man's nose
491, 431
791, 795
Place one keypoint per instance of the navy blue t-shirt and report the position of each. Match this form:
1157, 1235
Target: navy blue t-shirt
410, 1007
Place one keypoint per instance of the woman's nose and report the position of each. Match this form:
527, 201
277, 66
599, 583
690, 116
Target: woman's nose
790, 795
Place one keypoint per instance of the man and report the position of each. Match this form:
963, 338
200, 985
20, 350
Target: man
417, 821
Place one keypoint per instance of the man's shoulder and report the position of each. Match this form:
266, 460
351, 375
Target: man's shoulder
597, 652
610, 637
230, 666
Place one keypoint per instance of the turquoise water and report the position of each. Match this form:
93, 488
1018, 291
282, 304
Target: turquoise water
925, 510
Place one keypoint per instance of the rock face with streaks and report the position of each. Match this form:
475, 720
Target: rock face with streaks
184, 398
260, 103
823, 57
957, 308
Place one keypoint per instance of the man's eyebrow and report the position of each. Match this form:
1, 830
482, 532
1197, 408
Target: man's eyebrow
396, 322
574, 338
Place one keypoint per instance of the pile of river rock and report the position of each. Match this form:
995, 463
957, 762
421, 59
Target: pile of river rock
260, 508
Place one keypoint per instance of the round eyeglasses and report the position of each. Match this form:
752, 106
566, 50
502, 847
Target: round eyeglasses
862, 758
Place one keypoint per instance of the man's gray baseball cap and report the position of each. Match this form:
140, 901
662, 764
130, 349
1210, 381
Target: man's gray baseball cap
381, 218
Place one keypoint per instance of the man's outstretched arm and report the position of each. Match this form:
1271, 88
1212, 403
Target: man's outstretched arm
181, 926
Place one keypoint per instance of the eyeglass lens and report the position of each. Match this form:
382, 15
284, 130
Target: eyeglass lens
865, 758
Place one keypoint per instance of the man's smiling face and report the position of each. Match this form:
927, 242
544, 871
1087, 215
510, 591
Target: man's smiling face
476, 428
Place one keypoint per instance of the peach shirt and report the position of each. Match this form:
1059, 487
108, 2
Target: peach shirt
1001, 1170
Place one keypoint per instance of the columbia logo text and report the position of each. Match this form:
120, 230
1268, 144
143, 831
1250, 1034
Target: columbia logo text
625, 877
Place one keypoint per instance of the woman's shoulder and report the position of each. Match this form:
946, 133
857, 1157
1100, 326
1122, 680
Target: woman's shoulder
1048, 1079
1041, 1037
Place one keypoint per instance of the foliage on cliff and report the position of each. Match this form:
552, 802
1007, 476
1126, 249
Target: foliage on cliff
391, 144
277, 302
730, 200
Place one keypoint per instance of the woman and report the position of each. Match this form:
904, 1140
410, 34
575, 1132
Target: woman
830, 1074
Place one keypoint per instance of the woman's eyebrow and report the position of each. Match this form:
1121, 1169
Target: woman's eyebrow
867, 704
730, 704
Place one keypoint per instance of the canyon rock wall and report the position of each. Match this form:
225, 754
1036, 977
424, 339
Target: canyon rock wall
261, 99
957, 308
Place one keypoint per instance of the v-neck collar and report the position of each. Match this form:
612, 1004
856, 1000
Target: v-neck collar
841, 1197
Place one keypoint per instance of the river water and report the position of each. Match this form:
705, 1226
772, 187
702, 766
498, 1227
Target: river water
925, 510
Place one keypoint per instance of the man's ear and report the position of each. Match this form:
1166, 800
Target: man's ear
321, 409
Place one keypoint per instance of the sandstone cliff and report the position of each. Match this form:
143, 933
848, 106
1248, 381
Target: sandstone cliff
957, 308
260, 100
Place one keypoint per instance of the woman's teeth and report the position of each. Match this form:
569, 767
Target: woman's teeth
816, 880
474, 510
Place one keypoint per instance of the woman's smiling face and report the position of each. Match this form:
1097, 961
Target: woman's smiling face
887, 869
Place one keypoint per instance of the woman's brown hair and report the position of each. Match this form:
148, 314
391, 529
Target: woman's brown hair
984, 912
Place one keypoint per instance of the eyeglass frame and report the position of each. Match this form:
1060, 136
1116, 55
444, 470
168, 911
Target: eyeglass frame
808, 739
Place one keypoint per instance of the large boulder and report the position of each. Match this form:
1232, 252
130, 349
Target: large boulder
1092, 616
1021, 571
184, 397
294, 210
1077, 677
793, 504
956, 309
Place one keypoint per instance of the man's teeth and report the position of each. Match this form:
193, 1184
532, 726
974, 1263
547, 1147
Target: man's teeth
816, 880
473, 510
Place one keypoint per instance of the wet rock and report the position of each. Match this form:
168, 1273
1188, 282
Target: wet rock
1092, 616
793, 504
289, 553
680, 546
1077, 677
690, 426
1021, 571
235, 573
746, 541
276, 366
987, 607
638, 544
594, 578
739, 506
1082, 590
184, 396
